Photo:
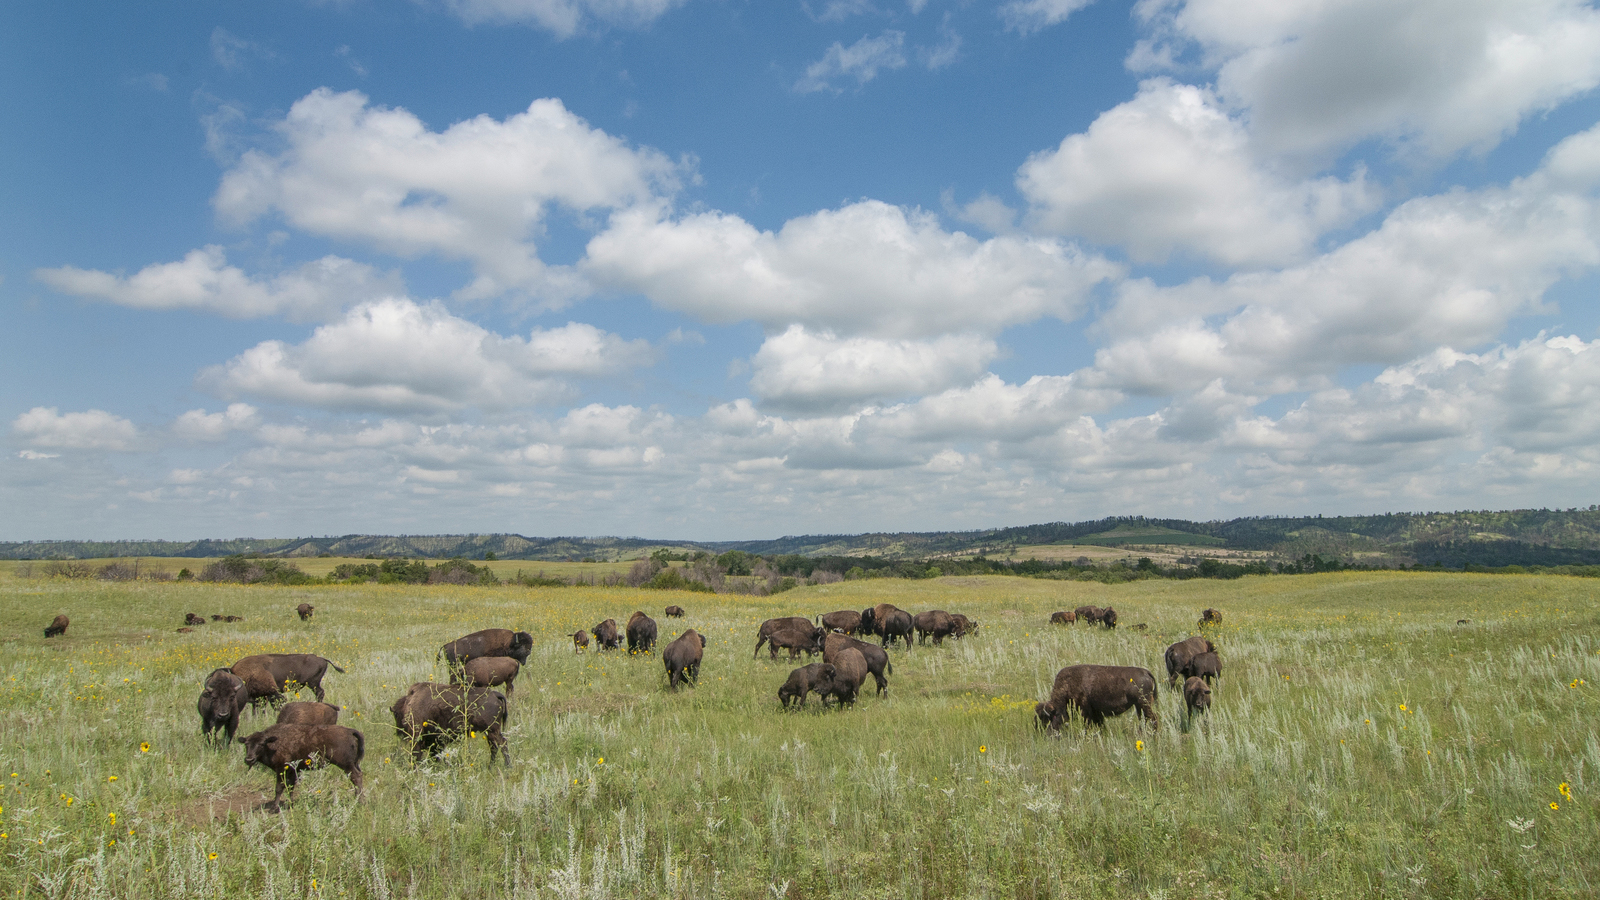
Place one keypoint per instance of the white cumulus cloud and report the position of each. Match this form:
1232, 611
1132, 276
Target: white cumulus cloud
813, 371
564, 18
1032, 15
94, 429
199, 425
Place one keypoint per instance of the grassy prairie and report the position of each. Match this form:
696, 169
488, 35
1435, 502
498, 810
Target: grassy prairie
1363, 745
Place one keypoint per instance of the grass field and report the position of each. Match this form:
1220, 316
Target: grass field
1363, 744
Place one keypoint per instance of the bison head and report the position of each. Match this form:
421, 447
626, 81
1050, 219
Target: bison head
521, 646
1045, 713
257, 747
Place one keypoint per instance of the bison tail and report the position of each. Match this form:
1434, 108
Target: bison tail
888, 666
361, 746
335, 667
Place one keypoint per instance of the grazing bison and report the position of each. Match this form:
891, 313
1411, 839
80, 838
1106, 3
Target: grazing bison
186, 630
606, 635
488, 642
845, 620
286, 749
641, 633
192, 619
221, 702
580, 641
308, 712
1203, 665
802, 681
1210, 617
1089, 614
964, 626
888, 622
1064, 617
269, 675
877, 658
682, 658
432, 716
674, 612
786, 623
488, 671
1179, 654
1196, 696
305, 610
1098, 692
935, 623
1108, 617
216, 617
795, 640
849, 670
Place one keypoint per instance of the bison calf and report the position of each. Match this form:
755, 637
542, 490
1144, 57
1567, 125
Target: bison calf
795, 640
286, 749
580, 641
1179, 654
1196, 696
488, 671
674, 612
1064, 617
816, 677
58, 625
305, 610
221, 702
432, 716
606, 635
308, 712
192, 619
1204, 665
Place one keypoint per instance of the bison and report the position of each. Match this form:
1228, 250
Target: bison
641, 633
964, 626
221, 703
935, 623
286, 749
1064, 617
488, 642
1179, 654
1204, 665
1196, 696
191, 619
773, 626
1042, 714
305, 610
1210, 617
488, 671
849, 670
269, 675
186, 630
1108, 617
1098, 692
888, 622
674, 612
845, 620
308, 712
606, 635
816, 677
682, 658
877, 658
1089, 614
580, 641
433, 715
795, 640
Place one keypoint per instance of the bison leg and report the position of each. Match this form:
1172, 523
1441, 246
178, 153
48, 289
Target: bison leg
497, 742
759, 641
883, 683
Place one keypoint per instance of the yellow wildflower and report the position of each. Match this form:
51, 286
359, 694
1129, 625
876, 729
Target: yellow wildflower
1138, 745
144, 746
983, 748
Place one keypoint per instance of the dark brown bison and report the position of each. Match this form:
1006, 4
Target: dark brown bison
1211, 617
1098, 692
964, 626
888, 622
221, 703
674, 612
1064, 617
580, 641
286, 749
233, 618
682, 658
1179, 654
432, 716
877, 658
488, 671
1196, 695
216, 617
785, 623
305, 610
606, 635
186, 630
488, 642
1203, 665
845, 620
1089, 614
1108, 618
641, 633
935, 623
802, 681
1041, 714
849, 670
308, 712
795, 640
191, 619
267, 676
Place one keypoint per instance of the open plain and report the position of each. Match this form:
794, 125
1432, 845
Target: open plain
1364, 742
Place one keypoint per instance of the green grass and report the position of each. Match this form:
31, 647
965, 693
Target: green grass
1308, 779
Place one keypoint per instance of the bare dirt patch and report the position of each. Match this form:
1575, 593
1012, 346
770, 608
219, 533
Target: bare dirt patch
217, 807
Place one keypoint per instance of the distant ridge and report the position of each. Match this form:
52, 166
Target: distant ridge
1485, 537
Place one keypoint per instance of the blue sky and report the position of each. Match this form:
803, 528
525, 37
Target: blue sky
714, 269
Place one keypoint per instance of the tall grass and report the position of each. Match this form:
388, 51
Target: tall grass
1362, 744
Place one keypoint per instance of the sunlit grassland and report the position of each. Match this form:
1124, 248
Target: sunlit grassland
1362, 744
321, 566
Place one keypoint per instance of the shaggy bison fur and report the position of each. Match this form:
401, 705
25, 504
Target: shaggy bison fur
58, 625
1064, 617
606, 635
845, 620
221, 703
1108, 617
580, 641
267, 676
849, 670
674, 612
305, 610
795, 640
1203, 665
641, 633
888, 622
682, 658
1089, 614
286, 749
488, 642
308, 712
964, 626
1196, 696
489, 671
877, 658
1210, 616
1099, 692
431, 716
785, 623
192, 619
935, 623
1179, 654
802, 681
